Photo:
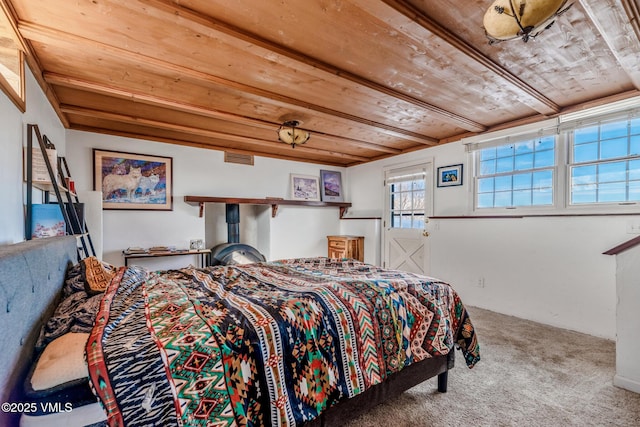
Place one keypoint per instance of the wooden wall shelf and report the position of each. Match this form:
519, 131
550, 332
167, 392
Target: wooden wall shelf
201, 200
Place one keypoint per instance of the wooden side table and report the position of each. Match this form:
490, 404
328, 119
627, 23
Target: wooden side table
346, 247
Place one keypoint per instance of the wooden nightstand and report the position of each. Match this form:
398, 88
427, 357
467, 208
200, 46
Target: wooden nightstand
346, 247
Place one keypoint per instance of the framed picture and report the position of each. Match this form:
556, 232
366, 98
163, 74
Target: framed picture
305, 187
448, 176
133, 181
196, 244
331, 186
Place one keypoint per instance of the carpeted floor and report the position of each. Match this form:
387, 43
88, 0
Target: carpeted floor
530, 375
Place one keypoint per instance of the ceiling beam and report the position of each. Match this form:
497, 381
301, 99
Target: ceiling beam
211, 23
58, 38
207, 146
537, 100
123, 118
617, 22
144, 98
633, 12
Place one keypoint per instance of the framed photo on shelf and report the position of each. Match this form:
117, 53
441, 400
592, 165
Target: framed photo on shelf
331, 186
133, 181
449, 176
47, 221
305, 187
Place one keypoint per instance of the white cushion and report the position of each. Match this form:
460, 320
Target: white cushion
78, 417
61, 361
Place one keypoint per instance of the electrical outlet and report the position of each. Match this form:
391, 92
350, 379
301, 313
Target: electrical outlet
481, 282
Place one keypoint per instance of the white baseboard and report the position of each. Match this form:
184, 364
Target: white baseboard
626, 383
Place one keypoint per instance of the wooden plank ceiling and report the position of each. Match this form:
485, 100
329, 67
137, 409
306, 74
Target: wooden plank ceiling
368, 78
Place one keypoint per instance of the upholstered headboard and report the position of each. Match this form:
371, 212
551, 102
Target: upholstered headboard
31, 278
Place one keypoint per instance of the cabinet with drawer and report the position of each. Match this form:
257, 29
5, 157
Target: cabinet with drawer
346, 247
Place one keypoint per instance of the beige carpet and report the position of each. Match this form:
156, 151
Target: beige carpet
530, 375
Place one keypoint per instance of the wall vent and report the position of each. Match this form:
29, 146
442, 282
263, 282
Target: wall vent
241, 159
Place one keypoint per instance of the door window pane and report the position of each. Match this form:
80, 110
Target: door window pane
408, 202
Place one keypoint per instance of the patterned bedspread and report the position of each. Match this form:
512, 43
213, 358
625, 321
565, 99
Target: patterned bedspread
263, 344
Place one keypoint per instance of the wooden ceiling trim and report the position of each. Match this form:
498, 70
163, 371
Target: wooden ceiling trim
367, 145
539, 117
613, 24
538, 101
633, 12
193, 144
199, 131
93, 87
211, 23
117, 92
34, 65
321, 122
59, 38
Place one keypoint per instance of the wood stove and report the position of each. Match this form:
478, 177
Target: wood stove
233, 252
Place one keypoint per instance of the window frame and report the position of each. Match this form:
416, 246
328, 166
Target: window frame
391, 171
513, 141
411, 213
562, 204
18, 97
571, 163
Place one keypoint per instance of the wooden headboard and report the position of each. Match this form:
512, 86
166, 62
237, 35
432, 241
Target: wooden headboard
31, 278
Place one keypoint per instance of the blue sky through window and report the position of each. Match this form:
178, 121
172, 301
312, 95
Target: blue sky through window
518, 174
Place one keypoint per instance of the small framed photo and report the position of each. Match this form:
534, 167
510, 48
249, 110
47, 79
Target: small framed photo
133, 181
196, 244
305, 187
448, 176
331, 186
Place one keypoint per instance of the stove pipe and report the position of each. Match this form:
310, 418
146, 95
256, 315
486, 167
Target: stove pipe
233, 222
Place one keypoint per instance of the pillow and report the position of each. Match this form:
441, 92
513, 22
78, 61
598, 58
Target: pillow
97, 274
58, 379
61, 364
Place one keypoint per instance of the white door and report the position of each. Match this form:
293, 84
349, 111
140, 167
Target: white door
408, 204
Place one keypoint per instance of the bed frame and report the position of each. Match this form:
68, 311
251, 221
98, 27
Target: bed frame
394, 385
31, 278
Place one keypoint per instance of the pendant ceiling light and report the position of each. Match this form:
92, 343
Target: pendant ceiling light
291, 134
524, 19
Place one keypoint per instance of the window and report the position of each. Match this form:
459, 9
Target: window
516, 174
580, 162
11, 61
407, 199
605, 163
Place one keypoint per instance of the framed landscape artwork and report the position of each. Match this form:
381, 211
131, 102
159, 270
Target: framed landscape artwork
133, 181
305, 187
331, 186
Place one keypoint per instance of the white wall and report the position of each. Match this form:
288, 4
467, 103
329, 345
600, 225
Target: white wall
13, 133
371, 229
295, 231
628, 320
11, 211
550, 270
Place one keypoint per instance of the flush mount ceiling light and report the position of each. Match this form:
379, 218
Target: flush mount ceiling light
524, 19
291, 134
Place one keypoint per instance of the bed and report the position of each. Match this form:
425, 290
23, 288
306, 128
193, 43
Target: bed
309, 341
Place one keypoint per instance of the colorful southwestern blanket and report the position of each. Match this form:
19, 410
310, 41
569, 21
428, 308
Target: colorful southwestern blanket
263, 344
